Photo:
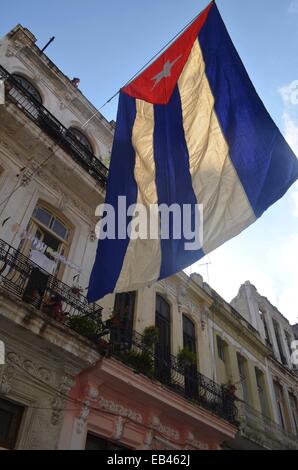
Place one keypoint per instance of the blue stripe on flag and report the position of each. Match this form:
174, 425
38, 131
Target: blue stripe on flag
110, 253
263, 160
173, 180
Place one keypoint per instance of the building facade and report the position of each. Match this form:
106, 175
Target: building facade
275, 331
171, 366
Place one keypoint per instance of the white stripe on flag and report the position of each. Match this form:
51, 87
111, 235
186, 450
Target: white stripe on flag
142, 261
226, 209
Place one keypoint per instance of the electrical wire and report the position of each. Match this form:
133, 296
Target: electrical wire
81, 403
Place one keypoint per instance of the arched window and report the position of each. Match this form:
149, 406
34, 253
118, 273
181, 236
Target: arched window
27, 85
81, 138
25, 96
49, 235
163, 347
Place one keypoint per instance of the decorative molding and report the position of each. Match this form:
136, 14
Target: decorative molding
84, 413
149, 436
33, 368
6, 378
119, 428
58, 402
167, 431
196, 443
119, 409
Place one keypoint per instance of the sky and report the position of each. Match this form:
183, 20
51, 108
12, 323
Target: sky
106, 42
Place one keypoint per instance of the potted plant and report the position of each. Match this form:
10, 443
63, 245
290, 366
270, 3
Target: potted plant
83, 325
150, 336
141, 362
186, 358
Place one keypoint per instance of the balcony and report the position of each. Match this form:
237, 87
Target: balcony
263, 431
16, 94
65, 304
21, 277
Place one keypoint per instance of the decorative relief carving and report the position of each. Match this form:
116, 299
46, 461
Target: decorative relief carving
93, 393
158, 444
149, 439
121, 410
119, 427
167, 431
204, 312
29, 366
58, 402
196, 443
6, 379
84, 413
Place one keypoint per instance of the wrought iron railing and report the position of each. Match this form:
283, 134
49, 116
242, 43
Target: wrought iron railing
18, 95
27, 281
130, 347
263, 430
30, 283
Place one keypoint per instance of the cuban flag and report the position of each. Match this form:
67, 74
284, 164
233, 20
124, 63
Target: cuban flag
190, 130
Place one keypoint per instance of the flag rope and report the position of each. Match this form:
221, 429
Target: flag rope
144, 66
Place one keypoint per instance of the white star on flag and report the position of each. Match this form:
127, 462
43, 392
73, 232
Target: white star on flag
165, 72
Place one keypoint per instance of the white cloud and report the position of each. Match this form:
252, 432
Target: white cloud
291, 131
287, 302
289, 93
295, 200
293, 7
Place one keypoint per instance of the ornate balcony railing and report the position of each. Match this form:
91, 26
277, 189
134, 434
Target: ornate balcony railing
130, 347
28, 282
263, 430
18, 95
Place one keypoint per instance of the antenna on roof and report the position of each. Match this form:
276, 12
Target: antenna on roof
47, 44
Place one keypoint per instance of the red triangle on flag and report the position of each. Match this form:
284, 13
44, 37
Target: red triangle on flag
156, 84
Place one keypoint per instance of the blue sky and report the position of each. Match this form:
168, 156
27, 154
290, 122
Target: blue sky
105, 43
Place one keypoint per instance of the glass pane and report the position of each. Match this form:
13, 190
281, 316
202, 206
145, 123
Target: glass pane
43, 216
188, 326
51, 241
28, 87
59, 228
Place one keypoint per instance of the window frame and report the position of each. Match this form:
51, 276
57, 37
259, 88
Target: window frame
26, 83
18, 411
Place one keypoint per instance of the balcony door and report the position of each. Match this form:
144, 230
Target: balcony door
189, 343
124, 308
163, 346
